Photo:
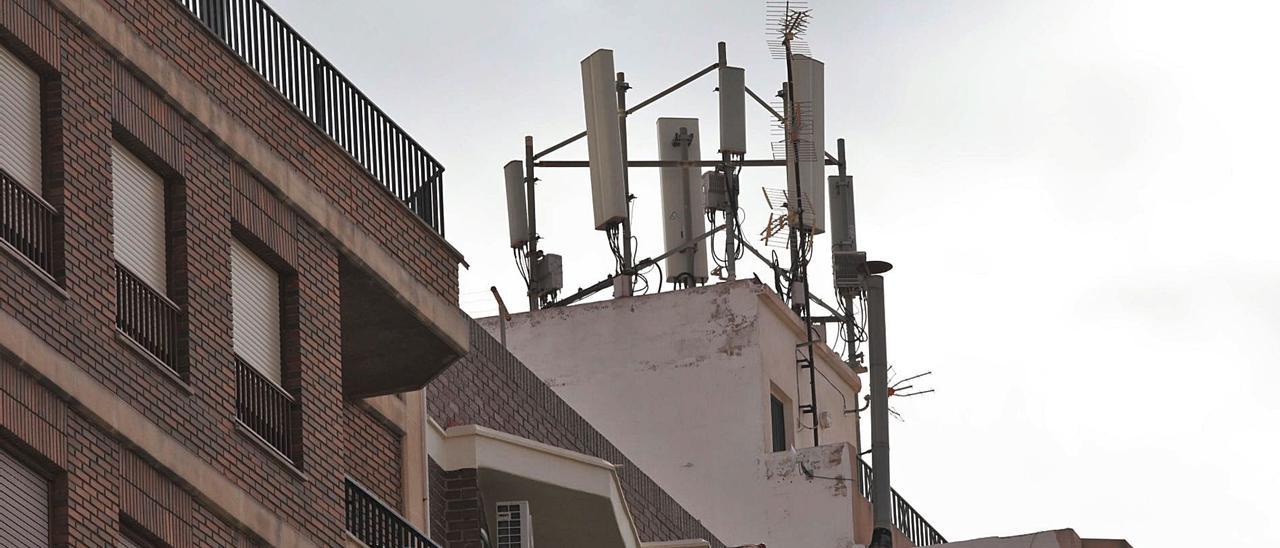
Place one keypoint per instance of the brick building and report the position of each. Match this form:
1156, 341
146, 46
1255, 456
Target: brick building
203, 253
223, 283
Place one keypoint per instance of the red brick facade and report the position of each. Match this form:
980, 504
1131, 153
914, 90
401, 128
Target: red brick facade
100, 484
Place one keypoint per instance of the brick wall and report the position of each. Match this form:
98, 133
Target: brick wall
490, 387
91, 98
435, 499
95, 482
461, 508
370, 444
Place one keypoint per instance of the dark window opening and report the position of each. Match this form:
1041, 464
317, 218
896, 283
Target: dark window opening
779, 424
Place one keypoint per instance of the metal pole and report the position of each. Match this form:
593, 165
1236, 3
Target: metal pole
731, 216
879, 408
800, 271
503, 315
843, 170
626, 188
532, 255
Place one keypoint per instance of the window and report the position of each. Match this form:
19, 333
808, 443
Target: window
255, 312
138, 223
515, 525
778, 423
20, 122
27, 221
24, 504
263, 405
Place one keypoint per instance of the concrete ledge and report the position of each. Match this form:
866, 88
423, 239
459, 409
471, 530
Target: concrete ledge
97, 402
443, 318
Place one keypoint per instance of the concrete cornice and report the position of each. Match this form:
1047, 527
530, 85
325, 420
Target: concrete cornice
101, 405
445, 319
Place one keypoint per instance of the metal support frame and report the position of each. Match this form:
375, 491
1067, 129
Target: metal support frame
598, 286
628, 282
871, 286
726, 168
531, 255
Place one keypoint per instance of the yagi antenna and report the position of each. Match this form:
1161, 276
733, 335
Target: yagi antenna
787, 20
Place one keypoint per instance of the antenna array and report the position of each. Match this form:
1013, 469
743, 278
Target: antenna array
798, 212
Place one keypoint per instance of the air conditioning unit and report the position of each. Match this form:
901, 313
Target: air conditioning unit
515, 525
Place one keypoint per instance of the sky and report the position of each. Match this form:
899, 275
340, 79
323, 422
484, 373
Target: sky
1079, 199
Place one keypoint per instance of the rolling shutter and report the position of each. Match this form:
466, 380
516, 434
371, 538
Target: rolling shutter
138, 217
20, 121
255, 311
24, 505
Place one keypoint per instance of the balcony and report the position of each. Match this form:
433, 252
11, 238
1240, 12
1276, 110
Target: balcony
267, 410
268, 45
26, 222
906, 519
147, 317
387, 346
376, 524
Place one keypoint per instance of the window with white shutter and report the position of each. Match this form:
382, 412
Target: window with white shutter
138, 222
24, 505
255, 311
20, 121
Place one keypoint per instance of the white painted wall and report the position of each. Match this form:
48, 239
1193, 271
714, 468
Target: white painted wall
812, 511
680, 382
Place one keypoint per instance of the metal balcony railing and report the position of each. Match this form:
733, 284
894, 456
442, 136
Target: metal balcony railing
377, 525
26, 222
266, 409
307, 80
147, 317
905, 518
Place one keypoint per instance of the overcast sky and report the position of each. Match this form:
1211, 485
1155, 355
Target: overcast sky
1079, 197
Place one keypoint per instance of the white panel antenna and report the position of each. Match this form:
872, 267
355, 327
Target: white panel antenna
842, 235
683, 203
733, 110
807, 108
517, 208
604, 139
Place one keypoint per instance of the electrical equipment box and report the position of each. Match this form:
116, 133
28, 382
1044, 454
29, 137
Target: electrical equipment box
715, 191
805, 120
733, 110
604, 139
683, 210
517, 207
842, 223
847, 268
549, 273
